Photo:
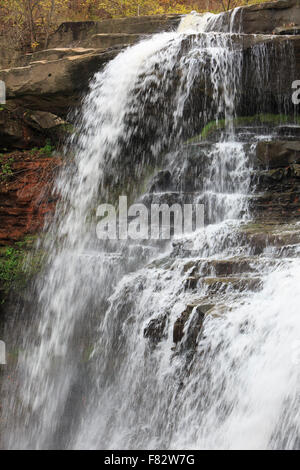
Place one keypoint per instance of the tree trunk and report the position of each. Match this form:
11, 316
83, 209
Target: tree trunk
48, 23
29, 6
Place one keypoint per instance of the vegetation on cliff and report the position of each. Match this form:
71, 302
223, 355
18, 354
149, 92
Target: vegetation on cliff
31, 22
25, 200
258, 119
18, 264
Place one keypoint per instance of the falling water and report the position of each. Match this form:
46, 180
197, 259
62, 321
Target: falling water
91, 373
195, 22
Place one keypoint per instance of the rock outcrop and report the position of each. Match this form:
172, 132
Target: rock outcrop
54, 86
54, 80
263, 18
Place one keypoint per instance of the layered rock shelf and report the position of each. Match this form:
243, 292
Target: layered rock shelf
42, 88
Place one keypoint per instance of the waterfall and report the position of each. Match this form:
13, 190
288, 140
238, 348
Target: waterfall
195, 22
98, 365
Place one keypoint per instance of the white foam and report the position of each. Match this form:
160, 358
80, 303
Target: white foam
195, 22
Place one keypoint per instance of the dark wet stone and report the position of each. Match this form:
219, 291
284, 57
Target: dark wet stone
195, 324
154, 331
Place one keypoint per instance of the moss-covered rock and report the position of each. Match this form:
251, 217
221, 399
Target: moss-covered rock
268, 120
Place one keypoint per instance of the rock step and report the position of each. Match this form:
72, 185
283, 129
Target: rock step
289, 252
220, 285
255, 238
217, 284
56, 54
263, 17
277, 153
264, 235
287, 30
105, 41
70, 33
140, 24
194, 313
283, 206
226, 267
249, 133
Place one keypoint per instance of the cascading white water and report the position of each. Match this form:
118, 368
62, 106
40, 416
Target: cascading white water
88, 377
195, 22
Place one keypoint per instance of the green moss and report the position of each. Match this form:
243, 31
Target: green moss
9, 264
18, 264
67, 128
33, 150
45, 151
5, 168
257, 119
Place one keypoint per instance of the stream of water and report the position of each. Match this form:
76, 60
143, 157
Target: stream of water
88, 374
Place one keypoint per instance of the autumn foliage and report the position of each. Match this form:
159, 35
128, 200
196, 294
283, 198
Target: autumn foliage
30, 22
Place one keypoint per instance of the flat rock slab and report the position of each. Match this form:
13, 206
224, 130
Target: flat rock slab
70, 33
55, 85
289, 30
278, 154
59, 53
105, 41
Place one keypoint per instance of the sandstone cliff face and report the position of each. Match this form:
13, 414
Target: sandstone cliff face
26, 195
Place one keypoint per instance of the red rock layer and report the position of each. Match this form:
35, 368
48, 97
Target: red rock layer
26, 195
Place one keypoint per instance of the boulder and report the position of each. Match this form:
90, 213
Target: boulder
295, 171
21, 128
